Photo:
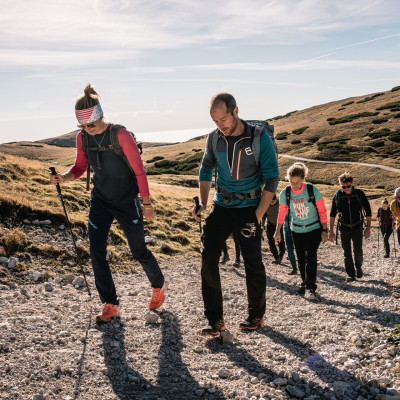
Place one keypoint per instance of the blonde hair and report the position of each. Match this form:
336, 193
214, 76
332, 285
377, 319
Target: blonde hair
297, 169
89, 98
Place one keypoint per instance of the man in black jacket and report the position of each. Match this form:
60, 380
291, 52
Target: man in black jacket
351, 203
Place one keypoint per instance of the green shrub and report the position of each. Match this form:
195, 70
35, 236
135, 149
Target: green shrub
342, 108
370, 98
349, 118
396, 115
395, 88
335, 143
395, 136
347, 104
184, 226
379, 134
299, 131
196, 150
394, 104
317, 181
166, 164
283, 116
379, 120
183, 240
296, 141
156, 158
313, 139
282, 135
378, 143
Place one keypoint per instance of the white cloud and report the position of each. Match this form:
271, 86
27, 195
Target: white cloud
76, 33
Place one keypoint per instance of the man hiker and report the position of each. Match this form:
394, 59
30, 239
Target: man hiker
240, 201
351, 203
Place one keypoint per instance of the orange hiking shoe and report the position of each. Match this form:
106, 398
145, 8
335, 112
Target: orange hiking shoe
109, 311
251, 324
214, 329
158, 297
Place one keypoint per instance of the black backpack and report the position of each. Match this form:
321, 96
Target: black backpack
114, 146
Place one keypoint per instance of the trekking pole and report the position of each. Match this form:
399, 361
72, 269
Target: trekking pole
394, 243
53, 172
378, 241
196, 200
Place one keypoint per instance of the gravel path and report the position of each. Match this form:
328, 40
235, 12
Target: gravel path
50, 347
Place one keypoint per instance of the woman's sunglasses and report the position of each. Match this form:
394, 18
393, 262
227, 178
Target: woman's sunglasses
86, 126
346, 187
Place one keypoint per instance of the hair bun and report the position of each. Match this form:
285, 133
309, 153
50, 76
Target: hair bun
89, 91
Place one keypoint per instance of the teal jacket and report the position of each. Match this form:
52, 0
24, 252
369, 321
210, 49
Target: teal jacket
244, 175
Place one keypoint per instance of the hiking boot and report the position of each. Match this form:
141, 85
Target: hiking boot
360, 273
224, 259
158, 297
214, 329
251, 324
310, 295
301, 290
292, 272
277, 261
386, 256
237, 263
350, 279
109, 312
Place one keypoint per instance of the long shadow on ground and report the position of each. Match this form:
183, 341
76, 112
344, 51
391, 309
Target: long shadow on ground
174, 380
344, 384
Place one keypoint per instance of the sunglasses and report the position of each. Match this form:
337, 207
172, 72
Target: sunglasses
346, 187
86, 126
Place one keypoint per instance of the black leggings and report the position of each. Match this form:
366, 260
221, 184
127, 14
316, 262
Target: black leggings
306, 246
386, 232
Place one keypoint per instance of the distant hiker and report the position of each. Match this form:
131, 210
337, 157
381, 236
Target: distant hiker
351, 204
225, 255
395, 208
271, 217
308, 224
114, 196
287, 234
240, 201
385, 218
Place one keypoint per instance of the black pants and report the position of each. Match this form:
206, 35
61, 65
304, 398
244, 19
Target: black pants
355, 236
237, 245
271, 241
306, 246
221, 222
386, 232
101, 216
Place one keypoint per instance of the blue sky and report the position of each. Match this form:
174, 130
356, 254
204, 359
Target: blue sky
156, 64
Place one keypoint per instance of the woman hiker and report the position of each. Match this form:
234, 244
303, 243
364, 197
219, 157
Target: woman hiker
117, 183
395, 208
308, 225
385, 218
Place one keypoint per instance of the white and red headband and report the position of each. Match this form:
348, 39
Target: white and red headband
89, 114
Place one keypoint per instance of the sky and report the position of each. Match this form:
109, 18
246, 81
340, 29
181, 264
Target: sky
156, 64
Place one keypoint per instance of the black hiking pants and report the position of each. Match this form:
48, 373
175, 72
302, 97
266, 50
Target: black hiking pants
101, 216
221, 222
306, 246
355, 236
271, 241
386, 232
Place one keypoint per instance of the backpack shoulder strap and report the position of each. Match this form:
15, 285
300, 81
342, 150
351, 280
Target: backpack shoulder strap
114, 140
310, 191
256, 146
336, 198
214, 135
288, 191
84, 137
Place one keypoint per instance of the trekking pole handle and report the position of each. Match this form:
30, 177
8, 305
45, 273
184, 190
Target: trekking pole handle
196, 200
53, 172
